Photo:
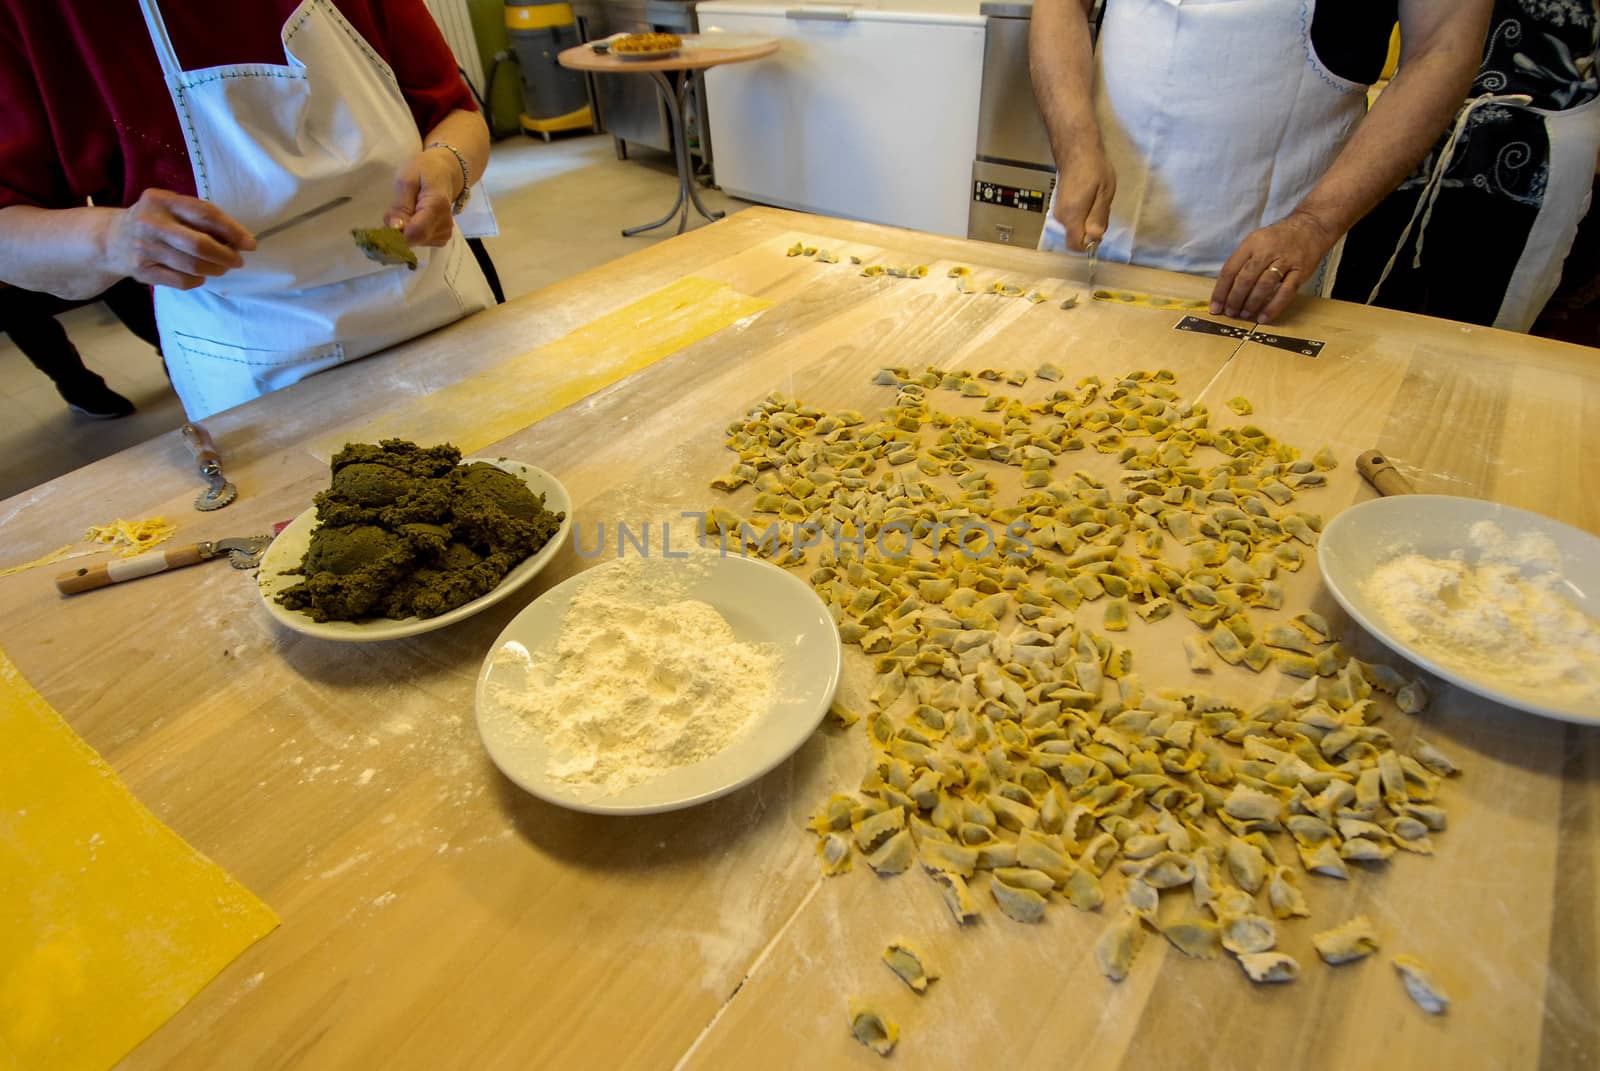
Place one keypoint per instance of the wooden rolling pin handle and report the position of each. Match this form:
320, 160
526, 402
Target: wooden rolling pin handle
202, 446
1381, 474
90, 577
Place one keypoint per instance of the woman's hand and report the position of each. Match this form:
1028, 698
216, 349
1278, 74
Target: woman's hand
1085, 185
424, 191
169, 239
1261, 278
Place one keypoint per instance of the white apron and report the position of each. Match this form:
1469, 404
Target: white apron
1574, 135
1218, 119
268, 142
1574, 145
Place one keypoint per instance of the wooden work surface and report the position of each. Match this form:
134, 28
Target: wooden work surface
436, 916
695, 55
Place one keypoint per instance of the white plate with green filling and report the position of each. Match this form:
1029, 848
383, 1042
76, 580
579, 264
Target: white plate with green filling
289, 549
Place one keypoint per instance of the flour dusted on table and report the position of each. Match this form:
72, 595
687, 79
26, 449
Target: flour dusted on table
1506, 616
640, 681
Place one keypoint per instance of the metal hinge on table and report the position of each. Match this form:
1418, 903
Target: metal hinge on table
1308, 347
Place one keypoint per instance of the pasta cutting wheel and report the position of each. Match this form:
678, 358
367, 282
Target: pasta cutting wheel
243, 552
219, 492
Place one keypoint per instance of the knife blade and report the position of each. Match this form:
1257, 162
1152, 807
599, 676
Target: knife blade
278, 228
1093, 249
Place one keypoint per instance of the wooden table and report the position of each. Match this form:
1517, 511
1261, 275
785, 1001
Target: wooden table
436, 916
699, 52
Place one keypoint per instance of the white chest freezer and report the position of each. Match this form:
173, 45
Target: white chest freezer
865, 112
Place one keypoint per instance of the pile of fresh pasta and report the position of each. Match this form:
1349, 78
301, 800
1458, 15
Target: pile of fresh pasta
1015, 744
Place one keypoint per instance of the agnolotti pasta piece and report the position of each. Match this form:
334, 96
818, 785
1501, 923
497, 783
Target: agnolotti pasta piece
944, 855
996, 854
1167, 871
842, 715
1119, 945
875, 830
1248, 804
1099, 852
1144, 845
872, 1028
1420, 985
1037, 852
1018, 905
1226, 644
1270, 967
909, 965
1013, 815
895, 855
833, 851
1083, 890
1412, 698
1354, 940
1432, 758
1323, 859
1248, 934
834, 817
1022, 877
1246, 864
957, 897
1364, 850
1194, 649
1141, 897
1193, 936
1411, 834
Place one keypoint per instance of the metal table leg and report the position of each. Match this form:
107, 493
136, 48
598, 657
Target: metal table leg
688, 163
672, 97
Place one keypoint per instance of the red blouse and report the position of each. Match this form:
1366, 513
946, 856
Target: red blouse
85, 112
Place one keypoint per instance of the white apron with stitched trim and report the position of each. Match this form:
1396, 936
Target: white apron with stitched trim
1218, 118
268, 142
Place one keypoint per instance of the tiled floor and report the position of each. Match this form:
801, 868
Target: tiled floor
560, 206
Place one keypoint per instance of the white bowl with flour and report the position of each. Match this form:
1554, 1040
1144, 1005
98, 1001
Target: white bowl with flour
650, 684
1500, 601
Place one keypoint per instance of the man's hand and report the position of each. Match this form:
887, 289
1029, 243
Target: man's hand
1261, 278
424, 191
1085, 185
169, 239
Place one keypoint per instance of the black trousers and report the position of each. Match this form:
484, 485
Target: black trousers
30, 319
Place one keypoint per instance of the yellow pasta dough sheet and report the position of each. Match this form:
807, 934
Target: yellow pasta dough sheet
109, 922
524, 390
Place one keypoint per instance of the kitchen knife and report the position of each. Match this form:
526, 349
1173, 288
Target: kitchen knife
242, 553
278, 228
1093, 249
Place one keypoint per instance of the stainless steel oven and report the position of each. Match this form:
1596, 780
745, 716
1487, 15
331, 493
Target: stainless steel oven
1014, 171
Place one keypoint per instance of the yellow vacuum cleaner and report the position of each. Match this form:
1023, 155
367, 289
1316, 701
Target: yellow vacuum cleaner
555, 98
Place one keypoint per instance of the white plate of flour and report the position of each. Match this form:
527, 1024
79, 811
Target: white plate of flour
1500, 601
650, 684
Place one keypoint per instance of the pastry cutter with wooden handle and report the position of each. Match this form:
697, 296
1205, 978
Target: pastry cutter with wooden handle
219, 492
1382, 474
242, 553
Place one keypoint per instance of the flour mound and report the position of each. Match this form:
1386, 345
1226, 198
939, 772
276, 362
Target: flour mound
1505, 617
640, 681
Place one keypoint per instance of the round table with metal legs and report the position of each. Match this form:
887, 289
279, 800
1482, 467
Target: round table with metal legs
672, 76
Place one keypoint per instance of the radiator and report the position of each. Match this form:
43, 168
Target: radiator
456, 24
